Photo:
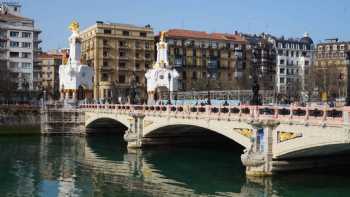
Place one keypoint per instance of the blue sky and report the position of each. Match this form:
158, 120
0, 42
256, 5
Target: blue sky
321, 18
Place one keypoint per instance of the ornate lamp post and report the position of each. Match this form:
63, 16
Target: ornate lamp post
347, 100
256, 99
133, 90
169, 91
208, 88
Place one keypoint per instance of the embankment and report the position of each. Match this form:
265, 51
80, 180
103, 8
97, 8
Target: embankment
18, 119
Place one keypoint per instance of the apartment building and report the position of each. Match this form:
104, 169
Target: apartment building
120, 55
19, 44
260, 60
201, 56
294, 57
49, 80
331, 61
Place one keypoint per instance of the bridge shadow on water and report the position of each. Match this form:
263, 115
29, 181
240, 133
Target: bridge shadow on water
100, 165
189, 161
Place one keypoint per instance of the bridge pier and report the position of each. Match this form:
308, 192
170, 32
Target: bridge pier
134, 134
258, 158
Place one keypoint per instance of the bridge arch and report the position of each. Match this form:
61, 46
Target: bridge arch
110, 121
216, 127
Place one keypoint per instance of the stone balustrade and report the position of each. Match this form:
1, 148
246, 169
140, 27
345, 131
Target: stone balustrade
325, 116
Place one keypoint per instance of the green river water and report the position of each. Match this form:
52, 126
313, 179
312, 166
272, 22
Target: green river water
102, 166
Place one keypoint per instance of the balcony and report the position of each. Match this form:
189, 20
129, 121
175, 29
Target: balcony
37, 40
3, 37
124, 47
3, 48
139, 59
106, 68
139, 47
123, 57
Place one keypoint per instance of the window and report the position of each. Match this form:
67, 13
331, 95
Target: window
147, 65
26, 34
143, 34
126, 33
14, 33
137, 45
14, 54
122, 54
122, 64
14, 44
3, 45
26, 65
105, 42
307, 63
282, 70
26, 44
194, 75
137, 66
121, 78
282, 80
122, 44
26, 55
14, 65
105, 63
104, 77
281, 62
147, 55
107, 31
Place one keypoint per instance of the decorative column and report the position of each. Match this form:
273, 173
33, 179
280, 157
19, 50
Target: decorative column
134, 134
258, 158
74, 95
62, 95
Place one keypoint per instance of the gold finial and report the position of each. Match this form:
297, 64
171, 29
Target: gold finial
162, 36
74, 26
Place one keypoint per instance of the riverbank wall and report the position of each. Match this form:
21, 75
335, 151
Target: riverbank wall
19, 119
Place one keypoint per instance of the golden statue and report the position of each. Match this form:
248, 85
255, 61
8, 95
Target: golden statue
74, 26
162, 36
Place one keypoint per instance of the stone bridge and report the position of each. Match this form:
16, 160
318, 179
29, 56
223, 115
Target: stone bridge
275, 138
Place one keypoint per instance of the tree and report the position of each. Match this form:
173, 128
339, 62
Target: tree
7, 84
329, 80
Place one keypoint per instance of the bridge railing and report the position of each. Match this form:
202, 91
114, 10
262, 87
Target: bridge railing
312, 115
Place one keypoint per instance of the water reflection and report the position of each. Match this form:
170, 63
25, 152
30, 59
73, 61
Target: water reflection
101, 166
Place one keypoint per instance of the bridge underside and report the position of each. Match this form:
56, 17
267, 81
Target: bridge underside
105, 125
187, 135
318, 151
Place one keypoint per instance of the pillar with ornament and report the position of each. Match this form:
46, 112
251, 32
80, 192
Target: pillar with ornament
76, 79
162, 75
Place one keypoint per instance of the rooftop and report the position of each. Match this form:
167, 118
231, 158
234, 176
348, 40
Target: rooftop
5, 17
49, 55
183, 33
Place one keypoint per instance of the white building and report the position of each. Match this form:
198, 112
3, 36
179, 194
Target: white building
294, 56
162, 74
18, 44
76, 80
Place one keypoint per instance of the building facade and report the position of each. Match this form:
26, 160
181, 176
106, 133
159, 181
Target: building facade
49, 81
260, 60
200, 57
331, 61
120, 55
19, 45
293, 59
